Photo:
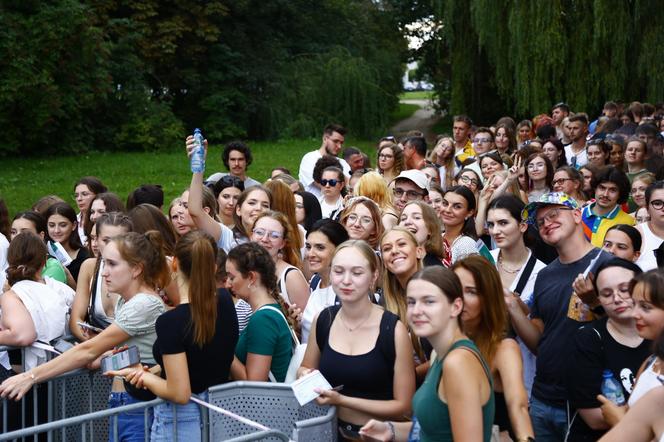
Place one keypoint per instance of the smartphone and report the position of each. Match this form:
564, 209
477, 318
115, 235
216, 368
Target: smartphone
120, 360
89, 327
62, 346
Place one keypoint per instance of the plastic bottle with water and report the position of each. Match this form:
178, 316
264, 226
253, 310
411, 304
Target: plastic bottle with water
611, 388
197, 160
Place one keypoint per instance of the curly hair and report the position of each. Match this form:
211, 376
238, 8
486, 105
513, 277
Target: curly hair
237, 146
323, 163
398, 158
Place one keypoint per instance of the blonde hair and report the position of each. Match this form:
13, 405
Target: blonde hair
374, 187
434, 242
394, 294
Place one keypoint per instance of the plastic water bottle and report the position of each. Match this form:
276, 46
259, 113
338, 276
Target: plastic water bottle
58, 251
197, 161
611, 388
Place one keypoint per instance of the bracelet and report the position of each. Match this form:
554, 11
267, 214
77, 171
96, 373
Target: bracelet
393, 437
32, 376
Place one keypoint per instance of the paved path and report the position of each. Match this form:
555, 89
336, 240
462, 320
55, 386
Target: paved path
423, 120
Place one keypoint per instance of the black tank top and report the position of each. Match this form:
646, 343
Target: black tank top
367, 376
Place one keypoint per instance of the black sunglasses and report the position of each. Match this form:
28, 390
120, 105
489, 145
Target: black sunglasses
331, 182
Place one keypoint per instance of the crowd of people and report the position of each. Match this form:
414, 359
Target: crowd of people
483, 287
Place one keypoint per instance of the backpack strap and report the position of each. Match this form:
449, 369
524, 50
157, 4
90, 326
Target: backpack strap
525, 275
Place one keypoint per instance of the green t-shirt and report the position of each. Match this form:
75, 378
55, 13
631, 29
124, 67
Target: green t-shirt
53, 269
267, 334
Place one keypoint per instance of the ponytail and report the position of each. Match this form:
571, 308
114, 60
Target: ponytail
196, 255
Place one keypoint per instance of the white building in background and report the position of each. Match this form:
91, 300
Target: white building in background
409, 85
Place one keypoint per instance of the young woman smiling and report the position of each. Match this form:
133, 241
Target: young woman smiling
323, 237
102, 203
273, 231
390, 161
421, 220
516, 264
598, 153
458, 209
568, 180
227, 191
611, 343
539, 175
484, 318
490, 163
61, 228
444, 409
361, 218
647, 290
251, 202
638, 192
555, 152
361, 346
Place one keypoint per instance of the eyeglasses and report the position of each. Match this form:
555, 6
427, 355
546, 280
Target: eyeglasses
533, 166
550, 216
364, 220
481, 140
331, 182
561, 181
410, 194
622, 291
383, 156
467, 180
657, 204
271, 234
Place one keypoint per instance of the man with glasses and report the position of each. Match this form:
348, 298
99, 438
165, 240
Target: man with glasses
237, 158
652, 231
483, 143
556, 313
611, 190
334, 136
410, 185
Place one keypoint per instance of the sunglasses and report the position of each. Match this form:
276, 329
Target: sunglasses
331, 182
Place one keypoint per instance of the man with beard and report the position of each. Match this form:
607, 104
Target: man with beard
558, 113
333, 141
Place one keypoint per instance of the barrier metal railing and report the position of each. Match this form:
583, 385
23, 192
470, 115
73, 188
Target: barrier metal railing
273, 405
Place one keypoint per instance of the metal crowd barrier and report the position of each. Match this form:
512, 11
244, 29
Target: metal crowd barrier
272, 405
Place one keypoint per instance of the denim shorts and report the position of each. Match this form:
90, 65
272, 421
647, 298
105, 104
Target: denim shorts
131, 425
188, 426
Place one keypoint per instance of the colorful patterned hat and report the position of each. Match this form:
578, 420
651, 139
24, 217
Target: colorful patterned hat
529, 213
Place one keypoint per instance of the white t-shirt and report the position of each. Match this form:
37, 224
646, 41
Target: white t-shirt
330, 209
306, 173
581, 157
319, 300
4, 247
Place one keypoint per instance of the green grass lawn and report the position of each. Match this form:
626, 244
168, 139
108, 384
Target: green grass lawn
403, 111
25, 180
416, 95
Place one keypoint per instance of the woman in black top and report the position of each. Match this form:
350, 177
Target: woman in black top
62, 227
612, 343
195, 341
361, 346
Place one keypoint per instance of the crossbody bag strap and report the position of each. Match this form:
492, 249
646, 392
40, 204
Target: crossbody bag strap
525, 275
296, 341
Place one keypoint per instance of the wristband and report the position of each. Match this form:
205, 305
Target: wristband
393, 437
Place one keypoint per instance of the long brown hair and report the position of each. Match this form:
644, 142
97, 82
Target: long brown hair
290, 253
145, 250
494, 318
283, 200
434, 242
196, 257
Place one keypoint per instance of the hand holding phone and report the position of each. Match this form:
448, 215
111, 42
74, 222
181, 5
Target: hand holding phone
122, 359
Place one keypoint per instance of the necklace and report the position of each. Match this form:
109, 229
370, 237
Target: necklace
352, 329
505, 269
